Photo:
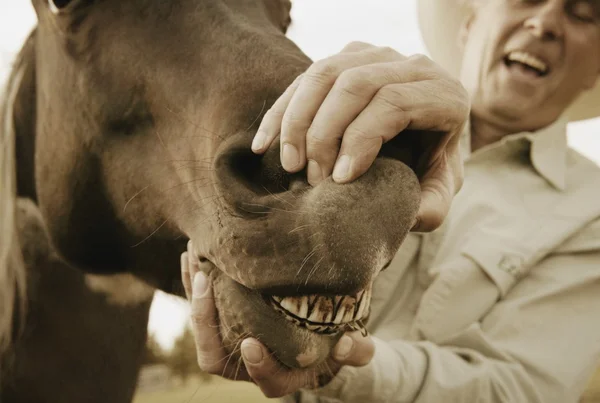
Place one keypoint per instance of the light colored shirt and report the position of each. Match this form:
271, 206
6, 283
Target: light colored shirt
501, 304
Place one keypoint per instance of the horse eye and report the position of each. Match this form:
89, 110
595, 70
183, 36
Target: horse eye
56, 6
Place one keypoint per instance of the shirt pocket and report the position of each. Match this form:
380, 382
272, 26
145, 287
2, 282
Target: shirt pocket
469, 284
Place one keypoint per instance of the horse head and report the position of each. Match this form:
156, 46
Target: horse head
134, 121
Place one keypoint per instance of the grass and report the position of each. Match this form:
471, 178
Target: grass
215, 390
218, 390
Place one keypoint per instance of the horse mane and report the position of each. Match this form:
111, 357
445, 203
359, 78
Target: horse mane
12, 268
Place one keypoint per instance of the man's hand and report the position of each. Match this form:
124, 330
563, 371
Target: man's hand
336, 116
261, 368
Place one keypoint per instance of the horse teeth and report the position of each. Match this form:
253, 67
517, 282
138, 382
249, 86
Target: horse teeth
364, 304
289, 304
340, 315
359, 295
303, 311
361, 308
329, 316
318, 313
348, 315
315, 315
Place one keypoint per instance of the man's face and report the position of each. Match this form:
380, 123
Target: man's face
525, 61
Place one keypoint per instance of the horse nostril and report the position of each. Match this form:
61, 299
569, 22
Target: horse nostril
202, 259
253, 184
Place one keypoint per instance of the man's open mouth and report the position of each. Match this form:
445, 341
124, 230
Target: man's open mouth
528, 62
325, 314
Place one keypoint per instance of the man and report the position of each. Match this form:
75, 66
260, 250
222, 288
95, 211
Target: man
500, 303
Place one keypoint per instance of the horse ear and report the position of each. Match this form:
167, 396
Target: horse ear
279, 12
24, 119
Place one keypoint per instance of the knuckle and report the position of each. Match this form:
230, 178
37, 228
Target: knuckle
199, 316
294, 122
386, 51
323, 72
274, 113
356, 46
391, 97
421, 59
206, 365
354, 83
321, 139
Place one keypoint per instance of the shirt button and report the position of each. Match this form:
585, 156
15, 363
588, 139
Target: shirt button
511, 264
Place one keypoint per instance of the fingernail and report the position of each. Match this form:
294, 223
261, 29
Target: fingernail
200, 284
259, 140
252, 353
342, 168
314, 174
343, 348
289, 156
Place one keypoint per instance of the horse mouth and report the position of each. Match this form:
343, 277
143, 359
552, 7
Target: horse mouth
325, 314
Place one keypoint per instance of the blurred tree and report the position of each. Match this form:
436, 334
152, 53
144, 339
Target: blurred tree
154, 352
182, 360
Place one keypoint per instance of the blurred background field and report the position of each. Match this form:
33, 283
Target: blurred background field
204, 390
172, 376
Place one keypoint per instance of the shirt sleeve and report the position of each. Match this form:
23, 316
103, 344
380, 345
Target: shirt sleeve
540, 343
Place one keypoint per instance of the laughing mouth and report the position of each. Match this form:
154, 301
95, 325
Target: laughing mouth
325, 314
528, 61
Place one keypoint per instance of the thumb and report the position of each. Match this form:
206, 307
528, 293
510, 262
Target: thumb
438, 189
354, 349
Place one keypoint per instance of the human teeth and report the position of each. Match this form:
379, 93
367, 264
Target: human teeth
528, 60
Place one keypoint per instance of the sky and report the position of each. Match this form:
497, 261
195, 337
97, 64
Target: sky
320, 28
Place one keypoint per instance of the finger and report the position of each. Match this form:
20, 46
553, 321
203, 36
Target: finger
394, 108
438, 188
356, 46
354, 90
354, 349
307, 100
185, 276
193, 264
209, 349
272, 378
270, 126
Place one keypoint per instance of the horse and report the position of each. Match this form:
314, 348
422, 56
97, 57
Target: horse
128, 127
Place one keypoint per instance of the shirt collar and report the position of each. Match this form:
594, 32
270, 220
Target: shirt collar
548, 150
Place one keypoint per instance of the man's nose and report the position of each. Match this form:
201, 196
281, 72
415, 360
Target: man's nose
546, 22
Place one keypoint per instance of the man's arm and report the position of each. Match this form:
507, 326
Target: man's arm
541, 343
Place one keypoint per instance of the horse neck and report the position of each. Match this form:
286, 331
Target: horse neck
24, 119
12, 269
